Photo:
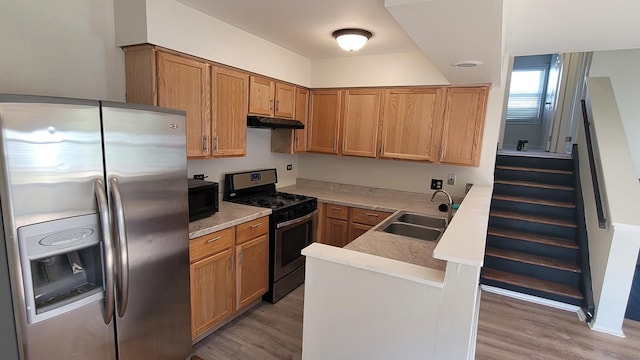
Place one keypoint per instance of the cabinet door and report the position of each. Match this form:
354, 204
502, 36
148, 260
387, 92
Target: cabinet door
301, 114
253, 270
212, 285
335, 232
360, 122
184, 84
261, 100
230, 97
324, 121
408, 123
356, 229
285, 96
463, 125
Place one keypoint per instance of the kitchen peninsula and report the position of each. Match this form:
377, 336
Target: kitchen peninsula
388, 303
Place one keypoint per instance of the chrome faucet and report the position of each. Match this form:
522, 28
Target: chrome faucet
449, 199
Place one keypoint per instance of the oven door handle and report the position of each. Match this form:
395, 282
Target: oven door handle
297, 220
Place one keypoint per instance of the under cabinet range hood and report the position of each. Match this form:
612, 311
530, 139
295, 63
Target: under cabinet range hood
273, 122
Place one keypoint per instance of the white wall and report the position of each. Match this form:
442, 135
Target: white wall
60, 48
178, 27
376, 70
614, 250
621, 66
259, 156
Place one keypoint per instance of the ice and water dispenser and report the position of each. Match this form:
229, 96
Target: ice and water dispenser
61, 265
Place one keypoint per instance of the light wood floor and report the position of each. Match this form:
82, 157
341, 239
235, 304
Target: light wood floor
507, 329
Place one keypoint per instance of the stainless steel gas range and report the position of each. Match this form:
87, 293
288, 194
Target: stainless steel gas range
292, 225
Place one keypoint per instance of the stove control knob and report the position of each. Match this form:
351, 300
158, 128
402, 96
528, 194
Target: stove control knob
307, 208
290, 214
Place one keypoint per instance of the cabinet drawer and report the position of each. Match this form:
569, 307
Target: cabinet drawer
210, 244
252, 229
368, 217
337, 211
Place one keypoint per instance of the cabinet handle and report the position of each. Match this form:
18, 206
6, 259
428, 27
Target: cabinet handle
335, 145
213, 239
240, 260
382, 148
216, 148
205, 143
271, 104
370, 214
231, 262
441, 153
343, 146
297, 142
278, 105
335, 208
255, 225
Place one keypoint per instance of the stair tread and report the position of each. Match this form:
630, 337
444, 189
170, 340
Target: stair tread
532, 283
529, 200
534, 184
533, 259
540, 239
533, 218
549, 171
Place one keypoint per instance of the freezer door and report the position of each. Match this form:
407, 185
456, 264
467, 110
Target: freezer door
51, 157
145, 157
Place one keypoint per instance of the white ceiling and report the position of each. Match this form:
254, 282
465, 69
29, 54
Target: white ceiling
445, 31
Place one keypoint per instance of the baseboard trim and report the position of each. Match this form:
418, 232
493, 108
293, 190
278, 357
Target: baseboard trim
618, 333
532, 299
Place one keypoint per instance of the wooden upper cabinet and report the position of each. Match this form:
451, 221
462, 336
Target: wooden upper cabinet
261, 95
184, 84
230, 90
301, 114
271, 98
285, 103
408, 123
324, 121
463, 125
360, 120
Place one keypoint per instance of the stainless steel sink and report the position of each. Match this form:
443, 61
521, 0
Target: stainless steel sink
423, 220
413, 231
417, 226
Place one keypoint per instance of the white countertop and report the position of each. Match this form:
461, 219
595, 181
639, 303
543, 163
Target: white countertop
230, 214
462, 242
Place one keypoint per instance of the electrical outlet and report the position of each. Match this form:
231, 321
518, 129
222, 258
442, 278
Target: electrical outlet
451, 179
468, 187
289, 167
436, 184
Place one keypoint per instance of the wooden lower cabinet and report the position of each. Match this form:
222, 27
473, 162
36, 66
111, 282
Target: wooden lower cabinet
342, 224
335, 232
212, 285
229, 271
252, 279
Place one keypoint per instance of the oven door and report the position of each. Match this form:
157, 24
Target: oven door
290, 238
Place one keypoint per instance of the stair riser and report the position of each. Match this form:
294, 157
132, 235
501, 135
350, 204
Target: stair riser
533, 209
534, 176
532, 248
535, 271
538, 293
534, 162
562, 232
534, 192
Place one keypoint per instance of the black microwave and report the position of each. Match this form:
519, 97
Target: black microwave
203, 199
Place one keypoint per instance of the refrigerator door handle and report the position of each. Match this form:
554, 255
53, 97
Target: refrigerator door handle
121, 233
105, 226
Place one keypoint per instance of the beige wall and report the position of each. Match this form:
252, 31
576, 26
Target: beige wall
60, 48
621, 66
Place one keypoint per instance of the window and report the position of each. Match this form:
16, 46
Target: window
526, 92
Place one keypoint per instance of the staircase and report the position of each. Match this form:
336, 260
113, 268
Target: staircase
532, 240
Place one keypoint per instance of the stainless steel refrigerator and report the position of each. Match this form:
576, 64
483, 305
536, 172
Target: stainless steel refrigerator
95, 228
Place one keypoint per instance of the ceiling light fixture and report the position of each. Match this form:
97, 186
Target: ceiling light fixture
352, 39
466, 63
